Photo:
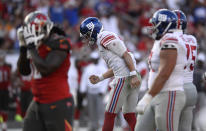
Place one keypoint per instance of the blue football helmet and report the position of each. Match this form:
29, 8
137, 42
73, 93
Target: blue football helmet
90, 28
162, 22
182, 20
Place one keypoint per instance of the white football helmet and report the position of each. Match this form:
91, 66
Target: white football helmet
42, 22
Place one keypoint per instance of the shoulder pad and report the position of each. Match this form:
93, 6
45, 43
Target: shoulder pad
60, 43
169, 39
194, 38
106, 37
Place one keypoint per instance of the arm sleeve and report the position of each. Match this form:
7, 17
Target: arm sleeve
117, 46
59, 44
23, 63
51, 63
168, 46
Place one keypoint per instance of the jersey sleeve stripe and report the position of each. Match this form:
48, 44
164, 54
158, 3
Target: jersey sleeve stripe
107, 39
169, 40
105, 44
104, 39
173, 39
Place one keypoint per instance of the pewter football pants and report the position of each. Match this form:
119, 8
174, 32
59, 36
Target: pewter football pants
163, 113
187, 113
122, 96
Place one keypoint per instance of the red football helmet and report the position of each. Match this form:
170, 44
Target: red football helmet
42, 22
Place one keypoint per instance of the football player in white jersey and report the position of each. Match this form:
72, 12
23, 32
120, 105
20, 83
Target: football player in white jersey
161, 106
190, 43
124, 94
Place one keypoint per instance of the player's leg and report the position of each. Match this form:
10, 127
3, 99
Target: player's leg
58, 116
32, 120
187, 113
167, 108
4, 104
100, 110
146, 122
92, 111
129, 106
25, 100
116, 99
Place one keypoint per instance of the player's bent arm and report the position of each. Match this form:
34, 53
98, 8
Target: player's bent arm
48, 65
128, 60
118, 47
168, 59
94, 79
23, 63
108, 74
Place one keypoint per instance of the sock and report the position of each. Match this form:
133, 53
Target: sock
131, 120
18, 107
108, 121
76, 114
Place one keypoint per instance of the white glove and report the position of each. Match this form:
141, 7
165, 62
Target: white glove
143, 103
20, 36
30, 35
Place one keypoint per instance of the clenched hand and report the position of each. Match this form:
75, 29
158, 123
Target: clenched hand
135, 82
94, 79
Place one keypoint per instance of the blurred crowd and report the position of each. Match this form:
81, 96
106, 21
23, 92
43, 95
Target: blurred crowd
128, 18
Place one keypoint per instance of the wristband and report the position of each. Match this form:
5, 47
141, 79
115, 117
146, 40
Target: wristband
101, 78
23, 49
147, 97
132, 73
31, 46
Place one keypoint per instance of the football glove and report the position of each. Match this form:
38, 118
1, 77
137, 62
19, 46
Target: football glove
30, 36
20, 36
143, 103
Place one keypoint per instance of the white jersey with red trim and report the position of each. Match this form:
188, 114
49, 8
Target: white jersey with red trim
111, 48
169, 41
190, 43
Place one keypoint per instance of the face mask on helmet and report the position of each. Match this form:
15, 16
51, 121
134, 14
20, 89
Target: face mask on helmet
87, 37
153, 30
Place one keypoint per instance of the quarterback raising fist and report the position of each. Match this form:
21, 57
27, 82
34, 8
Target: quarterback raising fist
122, 65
